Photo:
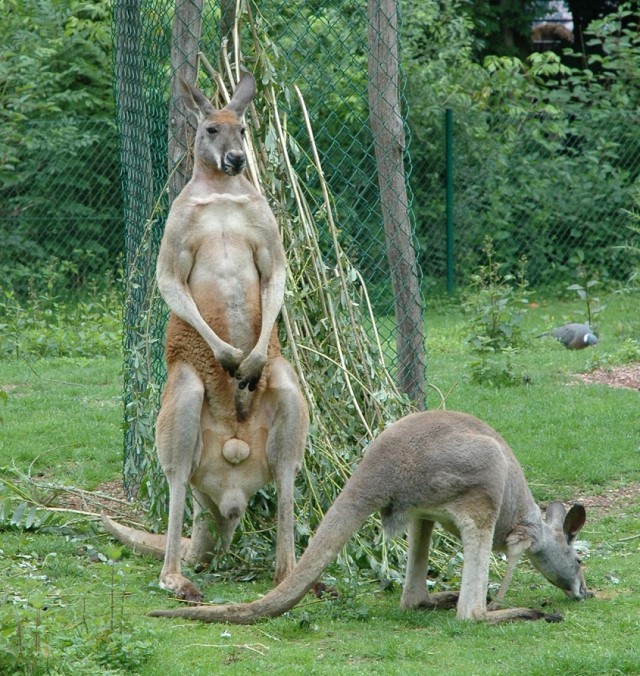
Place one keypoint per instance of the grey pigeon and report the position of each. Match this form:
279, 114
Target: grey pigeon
574, 336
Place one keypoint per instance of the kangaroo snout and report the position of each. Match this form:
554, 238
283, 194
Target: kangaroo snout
234, 162
580, 591
580, 595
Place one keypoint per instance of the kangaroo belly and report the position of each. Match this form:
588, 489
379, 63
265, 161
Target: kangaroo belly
232, 468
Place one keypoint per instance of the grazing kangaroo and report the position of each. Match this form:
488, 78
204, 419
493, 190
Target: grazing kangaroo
232, 416
436, 466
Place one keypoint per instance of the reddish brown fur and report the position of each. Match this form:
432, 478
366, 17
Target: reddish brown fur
185, 344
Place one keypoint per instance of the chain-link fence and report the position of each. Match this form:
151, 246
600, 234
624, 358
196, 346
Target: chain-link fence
554, 189
324, 51
61, 214
561, 198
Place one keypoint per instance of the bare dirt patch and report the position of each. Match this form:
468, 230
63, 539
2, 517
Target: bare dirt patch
611, 500
110, 497
627, 375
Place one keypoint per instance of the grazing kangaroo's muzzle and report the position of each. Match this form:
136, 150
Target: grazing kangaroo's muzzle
581, 592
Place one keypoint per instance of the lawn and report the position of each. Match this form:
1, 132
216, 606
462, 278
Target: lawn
72, 601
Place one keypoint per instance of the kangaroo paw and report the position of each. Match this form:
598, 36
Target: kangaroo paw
519, 614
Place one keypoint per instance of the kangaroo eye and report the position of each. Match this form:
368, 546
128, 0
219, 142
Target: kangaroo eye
212, 130
242, 131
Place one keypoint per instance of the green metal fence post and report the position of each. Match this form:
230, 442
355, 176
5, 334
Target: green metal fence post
449, 195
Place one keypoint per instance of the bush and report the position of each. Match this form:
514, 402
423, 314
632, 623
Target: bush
54, 324
59, 164
545, 156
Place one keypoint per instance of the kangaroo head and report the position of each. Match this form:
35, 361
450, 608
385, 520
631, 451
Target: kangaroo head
219, 143
555, 556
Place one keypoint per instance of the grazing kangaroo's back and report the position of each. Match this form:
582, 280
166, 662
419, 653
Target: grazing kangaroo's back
435, 466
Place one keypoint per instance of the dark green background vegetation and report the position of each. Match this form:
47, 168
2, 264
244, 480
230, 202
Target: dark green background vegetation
545, 150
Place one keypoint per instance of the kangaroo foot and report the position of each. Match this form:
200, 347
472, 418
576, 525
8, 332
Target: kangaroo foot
437, 601
515, 614
181, 587
440, 601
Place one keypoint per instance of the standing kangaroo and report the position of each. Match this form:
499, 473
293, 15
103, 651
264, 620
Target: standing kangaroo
436, 466
232, 416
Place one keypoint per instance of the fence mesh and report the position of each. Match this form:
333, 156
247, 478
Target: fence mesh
554, 189
309, 43
562, 199
61, 214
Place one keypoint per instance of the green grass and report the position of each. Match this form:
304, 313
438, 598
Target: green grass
72, 601
62, 418
83, 604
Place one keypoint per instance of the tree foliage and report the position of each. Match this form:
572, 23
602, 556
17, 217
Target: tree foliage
528, 132
56, 65
57, 141
546, 155
503, 27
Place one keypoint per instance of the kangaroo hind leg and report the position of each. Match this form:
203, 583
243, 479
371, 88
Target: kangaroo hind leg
202, 543
476, 548
476, 543
415, 593
177, 441
285, 449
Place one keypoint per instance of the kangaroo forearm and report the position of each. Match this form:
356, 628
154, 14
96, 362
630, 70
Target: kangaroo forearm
182, 305
272, 299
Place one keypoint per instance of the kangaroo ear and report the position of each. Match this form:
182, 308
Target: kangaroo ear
574, 521
555, 515
194, 99
242, 97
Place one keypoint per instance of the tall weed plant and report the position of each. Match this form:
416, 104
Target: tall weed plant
50, 321
496, 306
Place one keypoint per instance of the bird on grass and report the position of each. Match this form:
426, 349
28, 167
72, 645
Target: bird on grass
573, 336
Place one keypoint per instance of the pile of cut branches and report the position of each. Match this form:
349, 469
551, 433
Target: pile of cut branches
329, 327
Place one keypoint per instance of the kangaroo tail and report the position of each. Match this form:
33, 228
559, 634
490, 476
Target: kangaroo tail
141, 542
342, 520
